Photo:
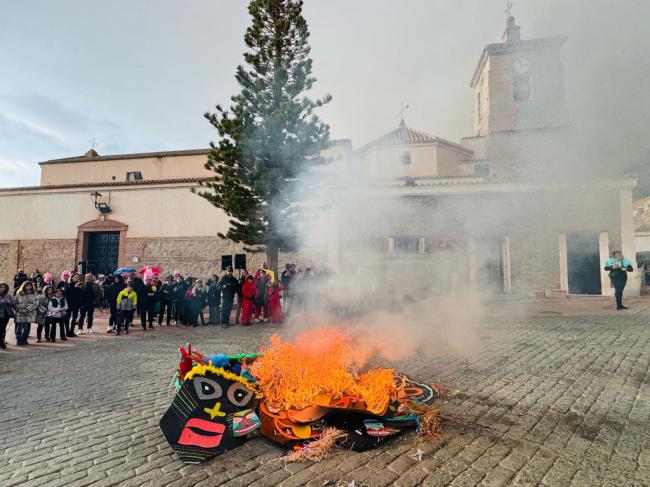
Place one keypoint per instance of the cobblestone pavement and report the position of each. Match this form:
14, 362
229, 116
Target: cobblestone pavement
550, 400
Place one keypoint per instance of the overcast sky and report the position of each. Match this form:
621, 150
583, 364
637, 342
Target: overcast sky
137, 75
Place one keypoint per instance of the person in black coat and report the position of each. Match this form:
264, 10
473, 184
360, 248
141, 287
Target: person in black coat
90, 295
136, 282
618, 267
178, 299
19, 278
147, 302
197, 303
214, 300
110, 295
166, 297
72, 292
229, 287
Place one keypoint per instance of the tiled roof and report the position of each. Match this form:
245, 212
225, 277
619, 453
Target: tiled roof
141, 182
404, 135
93, 156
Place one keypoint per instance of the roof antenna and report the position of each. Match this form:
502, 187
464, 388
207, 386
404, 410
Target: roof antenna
508, 9
92, 153
400, 115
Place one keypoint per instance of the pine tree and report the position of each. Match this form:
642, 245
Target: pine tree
270, 135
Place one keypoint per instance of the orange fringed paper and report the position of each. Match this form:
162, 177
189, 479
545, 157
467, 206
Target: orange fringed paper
317, 363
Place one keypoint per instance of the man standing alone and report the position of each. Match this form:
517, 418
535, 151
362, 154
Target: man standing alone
228, 285
214, 300
618, 268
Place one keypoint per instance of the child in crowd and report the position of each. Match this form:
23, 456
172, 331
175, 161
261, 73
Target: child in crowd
41, 313
197, 303
127, 302
275, 307
57, 310
249, 294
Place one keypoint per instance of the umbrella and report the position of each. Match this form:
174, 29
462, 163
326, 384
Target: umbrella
124, 270
154, 270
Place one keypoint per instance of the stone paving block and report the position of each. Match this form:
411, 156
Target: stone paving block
413, 476
369, 476
497, 477
468, 478
189, 480
547, 397
401, 464
642, 476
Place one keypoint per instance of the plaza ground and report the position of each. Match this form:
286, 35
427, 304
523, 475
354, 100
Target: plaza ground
557, 392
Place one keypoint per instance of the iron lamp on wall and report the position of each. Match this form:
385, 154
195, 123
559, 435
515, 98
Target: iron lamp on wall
96, 198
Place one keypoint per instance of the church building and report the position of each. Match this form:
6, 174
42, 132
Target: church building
493, 207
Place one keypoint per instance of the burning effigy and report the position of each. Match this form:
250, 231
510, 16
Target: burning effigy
308, 394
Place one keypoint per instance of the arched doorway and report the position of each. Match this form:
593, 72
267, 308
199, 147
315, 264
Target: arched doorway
100, 245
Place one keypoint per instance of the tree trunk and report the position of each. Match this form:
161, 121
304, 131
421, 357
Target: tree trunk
272, 257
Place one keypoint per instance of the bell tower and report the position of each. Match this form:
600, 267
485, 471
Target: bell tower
519, 84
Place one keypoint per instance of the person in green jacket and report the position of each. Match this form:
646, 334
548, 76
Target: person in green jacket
127, 302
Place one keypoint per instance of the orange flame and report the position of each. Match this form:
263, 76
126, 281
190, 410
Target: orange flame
319, 364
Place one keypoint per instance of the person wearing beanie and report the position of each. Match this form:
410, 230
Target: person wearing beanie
65, 276
229, 287
111, 293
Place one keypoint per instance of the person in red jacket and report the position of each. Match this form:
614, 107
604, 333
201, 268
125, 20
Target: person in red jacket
249, 294
275, 307
261, 309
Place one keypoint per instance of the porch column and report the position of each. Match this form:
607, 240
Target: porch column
507, 276
473, 263
603, 245
564, 263
628, 245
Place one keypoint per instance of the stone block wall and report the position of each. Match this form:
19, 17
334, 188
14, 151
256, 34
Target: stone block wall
195, 256
45, 255
7, 263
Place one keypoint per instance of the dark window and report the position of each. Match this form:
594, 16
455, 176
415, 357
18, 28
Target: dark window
521, 79
406, 245
133, 176
482, 170
405, 158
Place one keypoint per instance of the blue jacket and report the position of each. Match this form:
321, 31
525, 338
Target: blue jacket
621, 272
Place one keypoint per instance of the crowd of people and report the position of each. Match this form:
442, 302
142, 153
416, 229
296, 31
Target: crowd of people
68, 306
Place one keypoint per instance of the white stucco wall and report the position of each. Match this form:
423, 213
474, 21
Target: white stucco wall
149, 211
152, 168
426, 160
